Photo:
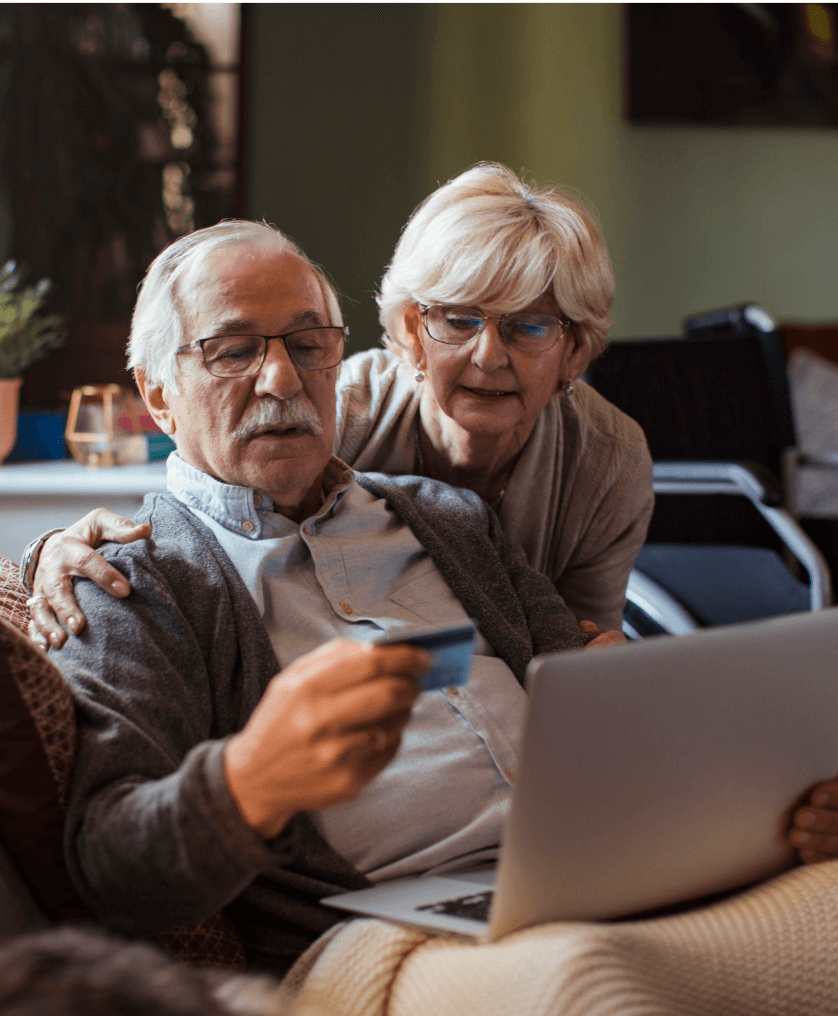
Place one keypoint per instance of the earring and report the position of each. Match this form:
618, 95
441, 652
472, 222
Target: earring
567, 387
419, 376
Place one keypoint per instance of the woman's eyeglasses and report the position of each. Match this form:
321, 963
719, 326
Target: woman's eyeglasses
243, 355
533, 333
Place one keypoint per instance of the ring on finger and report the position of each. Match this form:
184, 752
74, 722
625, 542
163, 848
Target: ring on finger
30, 603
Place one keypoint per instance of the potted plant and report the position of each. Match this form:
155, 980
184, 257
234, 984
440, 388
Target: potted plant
26, 335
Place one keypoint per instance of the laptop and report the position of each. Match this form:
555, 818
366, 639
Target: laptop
651, 774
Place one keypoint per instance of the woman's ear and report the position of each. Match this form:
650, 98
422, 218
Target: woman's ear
411, 335
155, 398
578, 362
576, 358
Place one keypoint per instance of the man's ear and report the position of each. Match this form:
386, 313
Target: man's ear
155, 398
411, 335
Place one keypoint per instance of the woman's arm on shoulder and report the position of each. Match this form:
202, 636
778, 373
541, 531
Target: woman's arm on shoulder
69, 554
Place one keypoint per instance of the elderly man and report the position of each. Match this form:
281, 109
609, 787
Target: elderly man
226, 745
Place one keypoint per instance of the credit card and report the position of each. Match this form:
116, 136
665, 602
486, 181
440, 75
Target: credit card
451, 650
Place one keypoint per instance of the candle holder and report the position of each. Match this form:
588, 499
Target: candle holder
103, 426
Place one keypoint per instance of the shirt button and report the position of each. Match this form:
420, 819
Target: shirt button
247, 525
346, 608
257, 499
453, 691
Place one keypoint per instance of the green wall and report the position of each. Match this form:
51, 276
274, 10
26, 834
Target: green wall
333, 136
358, 111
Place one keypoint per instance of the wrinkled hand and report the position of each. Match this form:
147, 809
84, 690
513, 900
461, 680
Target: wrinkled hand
69, 554
814, 830
603, 639
325, 727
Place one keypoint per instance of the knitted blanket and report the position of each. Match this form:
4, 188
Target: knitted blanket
769, 951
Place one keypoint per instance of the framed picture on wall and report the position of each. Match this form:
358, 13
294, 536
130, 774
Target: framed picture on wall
749, 65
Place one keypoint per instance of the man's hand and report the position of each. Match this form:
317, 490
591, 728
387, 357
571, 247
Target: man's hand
325, 727
814, 830
603, 639
68, 554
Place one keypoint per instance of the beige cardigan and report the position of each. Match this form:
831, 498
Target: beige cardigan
578, 501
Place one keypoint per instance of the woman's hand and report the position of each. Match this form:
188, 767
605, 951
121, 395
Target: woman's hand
814, 830
68, 554
603, 639
325, 727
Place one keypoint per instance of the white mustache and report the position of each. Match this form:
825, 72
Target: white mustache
269, 413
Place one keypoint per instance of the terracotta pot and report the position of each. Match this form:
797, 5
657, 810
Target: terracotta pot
9, 394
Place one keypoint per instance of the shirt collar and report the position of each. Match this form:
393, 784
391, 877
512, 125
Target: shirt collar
243, 510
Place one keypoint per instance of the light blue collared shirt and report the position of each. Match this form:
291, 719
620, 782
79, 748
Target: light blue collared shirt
355, 570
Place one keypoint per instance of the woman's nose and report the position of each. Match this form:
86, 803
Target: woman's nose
278, 376
490, 352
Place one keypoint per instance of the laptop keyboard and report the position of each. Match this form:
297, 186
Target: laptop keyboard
475, 908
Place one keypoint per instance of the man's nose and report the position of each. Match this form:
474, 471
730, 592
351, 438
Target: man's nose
278, 376
490, 352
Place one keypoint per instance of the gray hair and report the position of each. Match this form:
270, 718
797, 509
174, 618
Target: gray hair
486, 235
157, 322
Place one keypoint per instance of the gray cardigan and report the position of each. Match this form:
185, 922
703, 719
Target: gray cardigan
161, 679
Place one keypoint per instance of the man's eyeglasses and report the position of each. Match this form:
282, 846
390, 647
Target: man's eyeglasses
243, 355
533, 333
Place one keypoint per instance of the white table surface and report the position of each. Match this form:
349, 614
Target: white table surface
65, 477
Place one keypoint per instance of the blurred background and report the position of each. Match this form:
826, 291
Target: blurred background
124, 125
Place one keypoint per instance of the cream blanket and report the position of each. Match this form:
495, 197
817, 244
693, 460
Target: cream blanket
771, 951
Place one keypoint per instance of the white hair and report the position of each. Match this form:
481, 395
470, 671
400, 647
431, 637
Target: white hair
157, 323
486, 237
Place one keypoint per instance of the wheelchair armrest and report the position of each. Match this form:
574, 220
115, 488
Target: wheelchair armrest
762, 489
749, 479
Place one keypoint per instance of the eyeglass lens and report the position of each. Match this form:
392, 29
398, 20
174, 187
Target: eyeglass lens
238, 355
455, 325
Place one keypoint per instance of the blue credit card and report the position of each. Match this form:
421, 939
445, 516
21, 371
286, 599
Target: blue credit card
451, 650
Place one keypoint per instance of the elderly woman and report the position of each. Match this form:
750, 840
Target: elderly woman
497, 298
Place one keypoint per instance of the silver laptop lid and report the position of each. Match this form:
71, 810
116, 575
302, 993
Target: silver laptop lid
666, 770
